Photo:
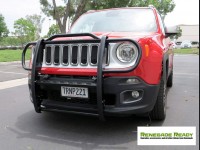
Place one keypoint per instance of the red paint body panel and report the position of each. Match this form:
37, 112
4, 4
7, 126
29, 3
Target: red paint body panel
69, 71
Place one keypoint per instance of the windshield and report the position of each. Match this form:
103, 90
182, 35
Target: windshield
120, 20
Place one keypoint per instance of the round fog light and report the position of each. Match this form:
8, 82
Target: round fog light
135, 94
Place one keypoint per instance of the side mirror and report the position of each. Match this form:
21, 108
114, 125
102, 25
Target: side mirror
171, 31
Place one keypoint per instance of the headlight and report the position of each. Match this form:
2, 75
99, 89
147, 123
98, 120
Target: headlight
127, 52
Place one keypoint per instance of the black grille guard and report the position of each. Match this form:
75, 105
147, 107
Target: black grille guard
39, 46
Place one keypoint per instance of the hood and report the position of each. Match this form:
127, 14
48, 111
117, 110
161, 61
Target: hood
112, 35
130, 35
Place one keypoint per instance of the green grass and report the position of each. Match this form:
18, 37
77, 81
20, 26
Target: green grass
187, 51
13, 55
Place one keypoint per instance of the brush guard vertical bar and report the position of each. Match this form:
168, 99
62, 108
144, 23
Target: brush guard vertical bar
100, 67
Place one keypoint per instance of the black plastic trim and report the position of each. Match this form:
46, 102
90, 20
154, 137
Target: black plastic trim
70, 112
85, 108
111, 86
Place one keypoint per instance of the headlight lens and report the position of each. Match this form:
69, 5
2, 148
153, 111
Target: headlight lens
127, 52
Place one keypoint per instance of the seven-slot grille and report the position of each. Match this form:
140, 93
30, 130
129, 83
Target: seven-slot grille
72, 55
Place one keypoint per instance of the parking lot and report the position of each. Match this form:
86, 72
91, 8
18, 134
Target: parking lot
23, 129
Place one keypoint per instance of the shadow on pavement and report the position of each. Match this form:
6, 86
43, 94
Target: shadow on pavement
83, 132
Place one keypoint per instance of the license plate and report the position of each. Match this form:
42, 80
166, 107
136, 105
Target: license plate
77, 92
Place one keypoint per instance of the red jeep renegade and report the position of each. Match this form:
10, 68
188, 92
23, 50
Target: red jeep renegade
111, 62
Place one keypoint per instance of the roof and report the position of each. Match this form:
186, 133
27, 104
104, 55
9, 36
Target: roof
188, 25
91, 11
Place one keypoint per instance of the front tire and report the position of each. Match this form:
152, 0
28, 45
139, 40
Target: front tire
159, 110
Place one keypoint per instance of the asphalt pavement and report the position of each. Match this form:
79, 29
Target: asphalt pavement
11, 71
23, 129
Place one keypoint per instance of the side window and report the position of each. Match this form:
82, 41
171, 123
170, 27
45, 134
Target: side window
161, 24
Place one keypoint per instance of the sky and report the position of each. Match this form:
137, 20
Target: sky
185, 12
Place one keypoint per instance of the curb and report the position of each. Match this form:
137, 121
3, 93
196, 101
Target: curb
186, 55
12, 62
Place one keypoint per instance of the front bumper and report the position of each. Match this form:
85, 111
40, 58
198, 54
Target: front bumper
117, 98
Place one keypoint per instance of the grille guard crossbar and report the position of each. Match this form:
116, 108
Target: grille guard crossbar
39, 46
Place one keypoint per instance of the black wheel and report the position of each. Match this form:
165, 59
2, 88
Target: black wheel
170, 80
159, 110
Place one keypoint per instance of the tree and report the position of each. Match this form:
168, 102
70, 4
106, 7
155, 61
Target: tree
62, 14
37, 21
163, 6
24, 30
179, 33
10, 41
74, 8
54, 29
3, 28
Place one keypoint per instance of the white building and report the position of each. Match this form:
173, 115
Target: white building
189, 33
